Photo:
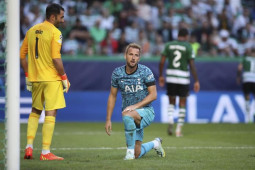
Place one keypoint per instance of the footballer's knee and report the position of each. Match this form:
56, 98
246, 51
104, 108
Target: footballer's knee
128, 113
51, 113
36, 111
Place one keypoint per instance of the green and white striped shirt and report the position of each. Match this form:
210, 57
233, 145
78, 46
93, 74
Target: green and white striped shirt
249, 69
178, 54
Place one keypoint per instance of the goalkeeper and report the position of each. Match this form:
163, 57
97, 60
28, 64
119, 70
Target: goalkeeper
138, 89
45, 78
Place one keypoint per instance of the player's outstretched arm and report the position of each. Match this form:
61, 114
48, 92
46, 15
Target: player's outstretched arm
110, 106
161, 67
194, 74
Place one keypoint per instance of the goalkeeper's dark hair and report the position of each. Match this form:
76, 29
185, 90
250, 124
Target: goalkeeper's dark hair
183, 32
53, 9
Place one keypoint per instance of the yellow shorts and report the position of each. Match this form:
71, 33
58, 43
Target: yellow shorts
48, 93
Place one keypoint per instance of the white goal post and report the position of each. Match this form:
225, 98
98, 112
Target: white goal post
12, 85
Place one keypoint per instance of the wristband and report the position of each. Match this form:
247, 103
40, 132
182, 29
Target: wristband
64, 77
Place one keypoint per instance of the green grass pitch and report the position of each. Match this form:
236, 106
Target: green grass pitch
204, 146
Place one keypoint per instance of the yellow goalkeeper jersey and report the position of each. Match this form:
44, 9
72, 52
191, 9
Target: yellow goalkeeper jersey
42, 43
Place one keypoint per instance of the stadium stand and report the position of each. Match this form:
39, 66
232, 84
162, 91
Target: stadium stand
102, 27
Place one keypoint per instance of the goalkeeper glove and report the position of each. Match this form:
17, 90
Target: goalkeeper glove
65, 82
28, 83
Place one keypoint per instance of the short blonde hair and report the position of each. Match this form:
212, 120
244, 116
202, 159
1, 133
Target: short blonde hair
133, 45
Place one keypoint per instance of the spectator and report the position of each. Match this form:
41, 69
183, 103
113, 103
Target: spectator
160, 16
158, 47
203, 34
245, 40
240, 21
144, 10
37, 17
97, 33
195, 44
24, 26
132, 32
144, 43
71, 16
227, 46
116, 31
79, 32
70, 46
90, 47
114, 6
224, 21
109, 46
81, 6
106, 20
166, 32
87, 19
122, 43
134, 17
212, 19
150, 32
96, 8
123, 20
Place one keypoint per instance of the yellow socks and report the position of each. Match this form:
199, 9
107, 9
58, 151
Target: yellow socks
47, 131
32, 126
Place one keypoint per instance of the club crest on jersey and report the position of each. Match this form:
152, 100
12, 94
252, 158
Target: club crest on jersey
60, 38
38, 31
133, 88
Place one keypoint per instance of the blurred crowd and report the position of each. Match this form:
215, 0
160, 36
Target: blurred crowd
104, 27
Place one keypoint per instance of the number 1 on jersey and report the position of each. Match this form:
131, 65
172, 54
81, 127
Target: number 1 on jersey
36, 47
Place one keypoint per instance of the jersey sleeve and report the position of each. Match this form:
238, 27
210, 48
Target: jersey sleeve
114, 82
56, 44
191, 53
149, 78
164, 52
24, 48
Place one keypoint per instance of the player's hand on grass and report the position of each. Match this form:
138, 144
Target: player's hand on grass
28, 83
108, 127
65, 82
161, 81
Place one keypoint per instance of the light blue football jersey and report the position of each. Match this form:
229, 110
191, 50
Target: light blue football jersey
133, 86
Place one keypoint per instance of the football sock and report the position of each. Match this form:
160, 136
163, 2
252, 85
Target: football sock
32, 126
146, 147
247, 106
130, 133
170, 113
247, 109
47, 131
44, 152
181, 118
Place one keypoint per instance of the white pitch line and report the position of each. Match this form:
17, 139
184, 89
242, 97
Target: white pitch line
170, 148
78, 133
